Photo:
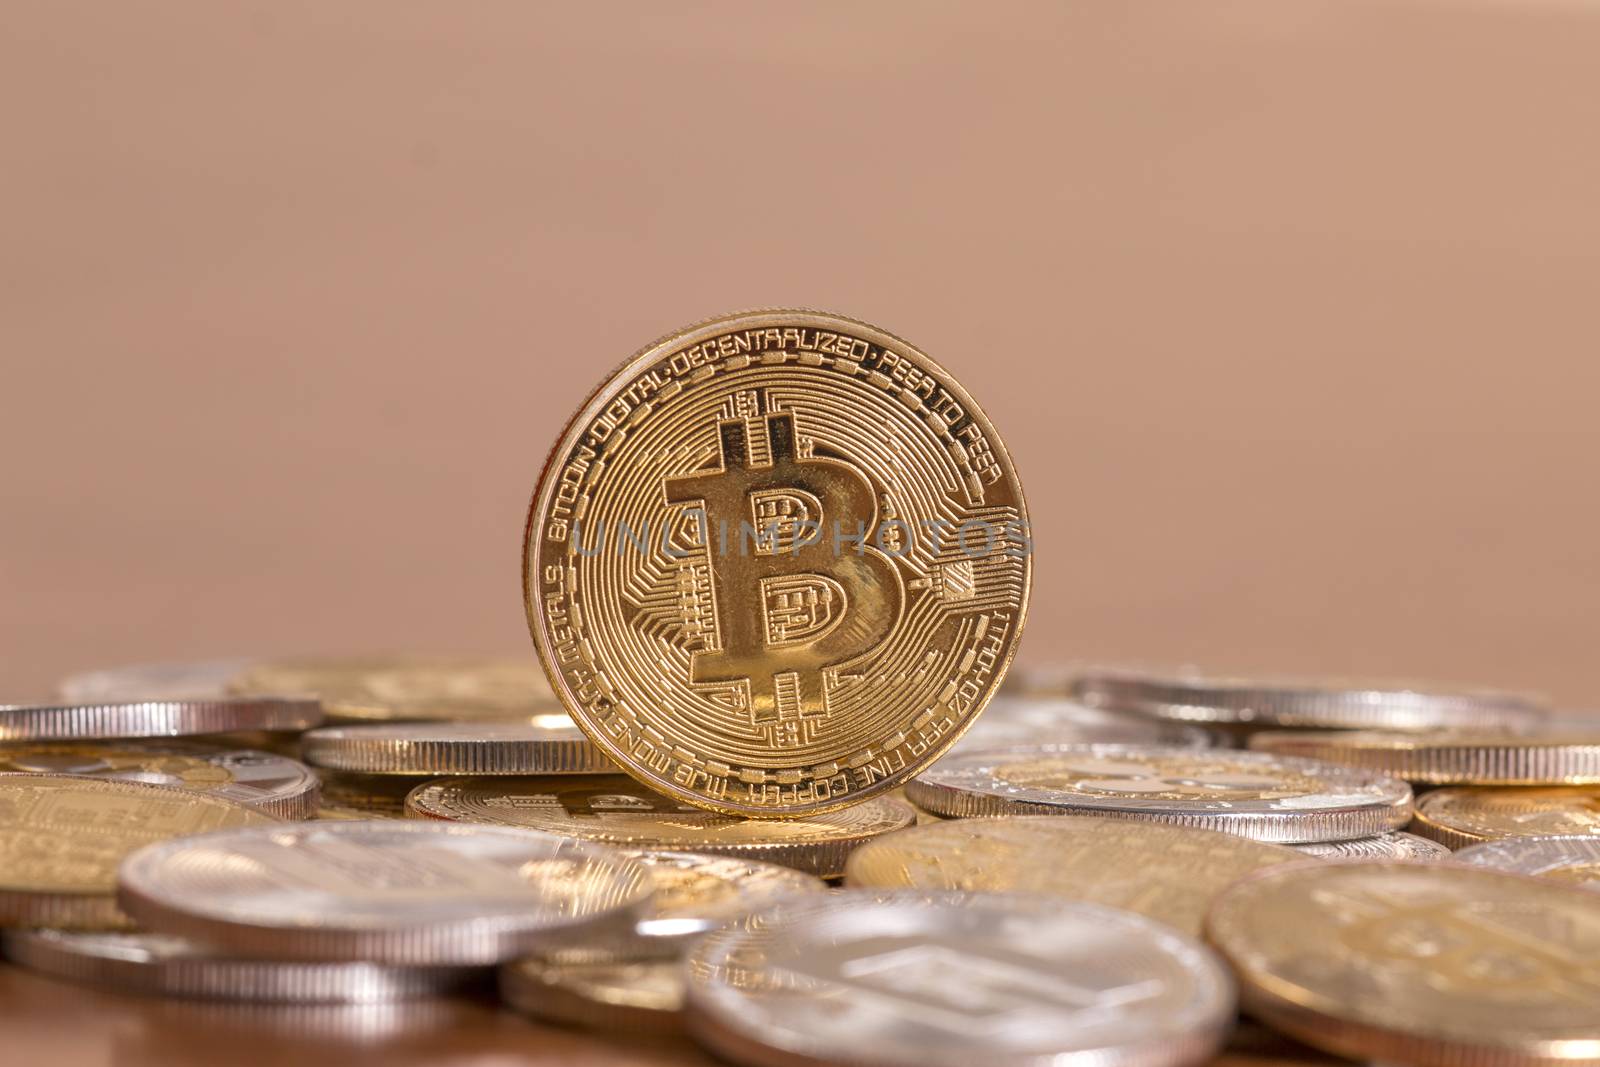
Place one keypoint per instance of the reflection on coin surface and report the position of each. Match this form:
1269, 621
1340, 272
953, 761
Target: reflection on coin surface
273, 784
410, 688
616, 810
155, 718
1563, 859
206, 680
1435, 964
172, 967
1449, 757
935, 979
1169, 873
1252, 794
62, 837
639, 996
1464, 816
434, 748
696, 893
1333, 703
777, 563
363, 796
1397, 845
389, 892
1010, 721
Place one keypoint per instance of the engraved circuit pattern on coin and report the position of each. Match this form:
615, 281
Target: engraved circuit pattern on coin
1323, 703
1449, 757
1252, 794
616, 810
410, 893
1011, 720
274, 784
951, 979
1436, 964
1398, 845
62, 837
1169, 873
1563, 859
688, 592
1462, 816
173, 967
410, 688
435, 748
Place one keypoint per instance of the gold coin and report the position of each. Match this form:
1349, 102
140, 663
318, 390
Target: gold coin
62, 837
1465, 816
1434, 964
777, 563
411, 688
1165, 872
1448, 757
617, 810
363, 796
639, 996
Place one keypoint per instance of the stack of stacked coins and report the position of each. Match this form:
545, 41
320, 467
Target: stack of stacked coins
775, 568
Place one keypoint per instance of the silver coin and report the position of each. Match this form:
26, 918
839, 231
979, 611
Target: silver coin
1397, 845
205, 680
1252, 794
1313, 704
173, 967
952, 979
388, 892
1569, 859
1010, 720
633, 996
155, 718
698, 892
428, 749
276, 785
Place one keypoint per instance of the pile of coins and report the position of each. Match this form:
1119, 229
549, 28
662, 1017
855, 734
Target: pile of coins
775, 570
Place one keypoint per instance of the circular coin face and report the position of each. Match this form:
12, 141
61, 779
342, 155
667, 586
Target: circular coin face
935, 979
1398, 845
276, 785
388, 892
1436, 964
617, 810
1449, 757
156, 718
1009, 721
62, 837
173, 967
1252, 794
778, 562
1460, 817
637, 996
697, 892
1566, 859
153, 681
426, 748
1169, 873
410, 688
1334, 703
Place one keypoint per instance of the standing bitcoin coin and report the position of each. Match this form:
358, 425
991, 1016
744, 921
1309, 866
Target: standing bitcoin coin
777, 563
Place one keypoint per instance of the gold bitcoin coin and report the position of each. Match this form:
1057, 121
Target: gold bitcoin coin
1449, 757
638, 996
411, 688
777, 563
1466, 816
62, 837
1434, 964
363, 796
617, 810
1169, 873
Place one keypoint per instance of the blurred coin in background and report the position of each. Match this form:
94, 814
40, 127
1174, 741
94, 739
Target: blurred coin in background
62, 838
363, 796
616, 810
1565, 859
409, 688
438, 748
1449, 757
274, 784
156, 718
1170, 873
1253, 794
202, 680
1010, 720
1397, 845
1460, 816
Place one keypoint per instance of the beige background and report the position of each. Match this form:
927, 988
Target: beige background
1288, 310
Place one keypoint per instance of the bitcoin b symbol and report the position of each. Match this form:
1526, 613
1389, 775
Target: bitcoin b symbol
794, 606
